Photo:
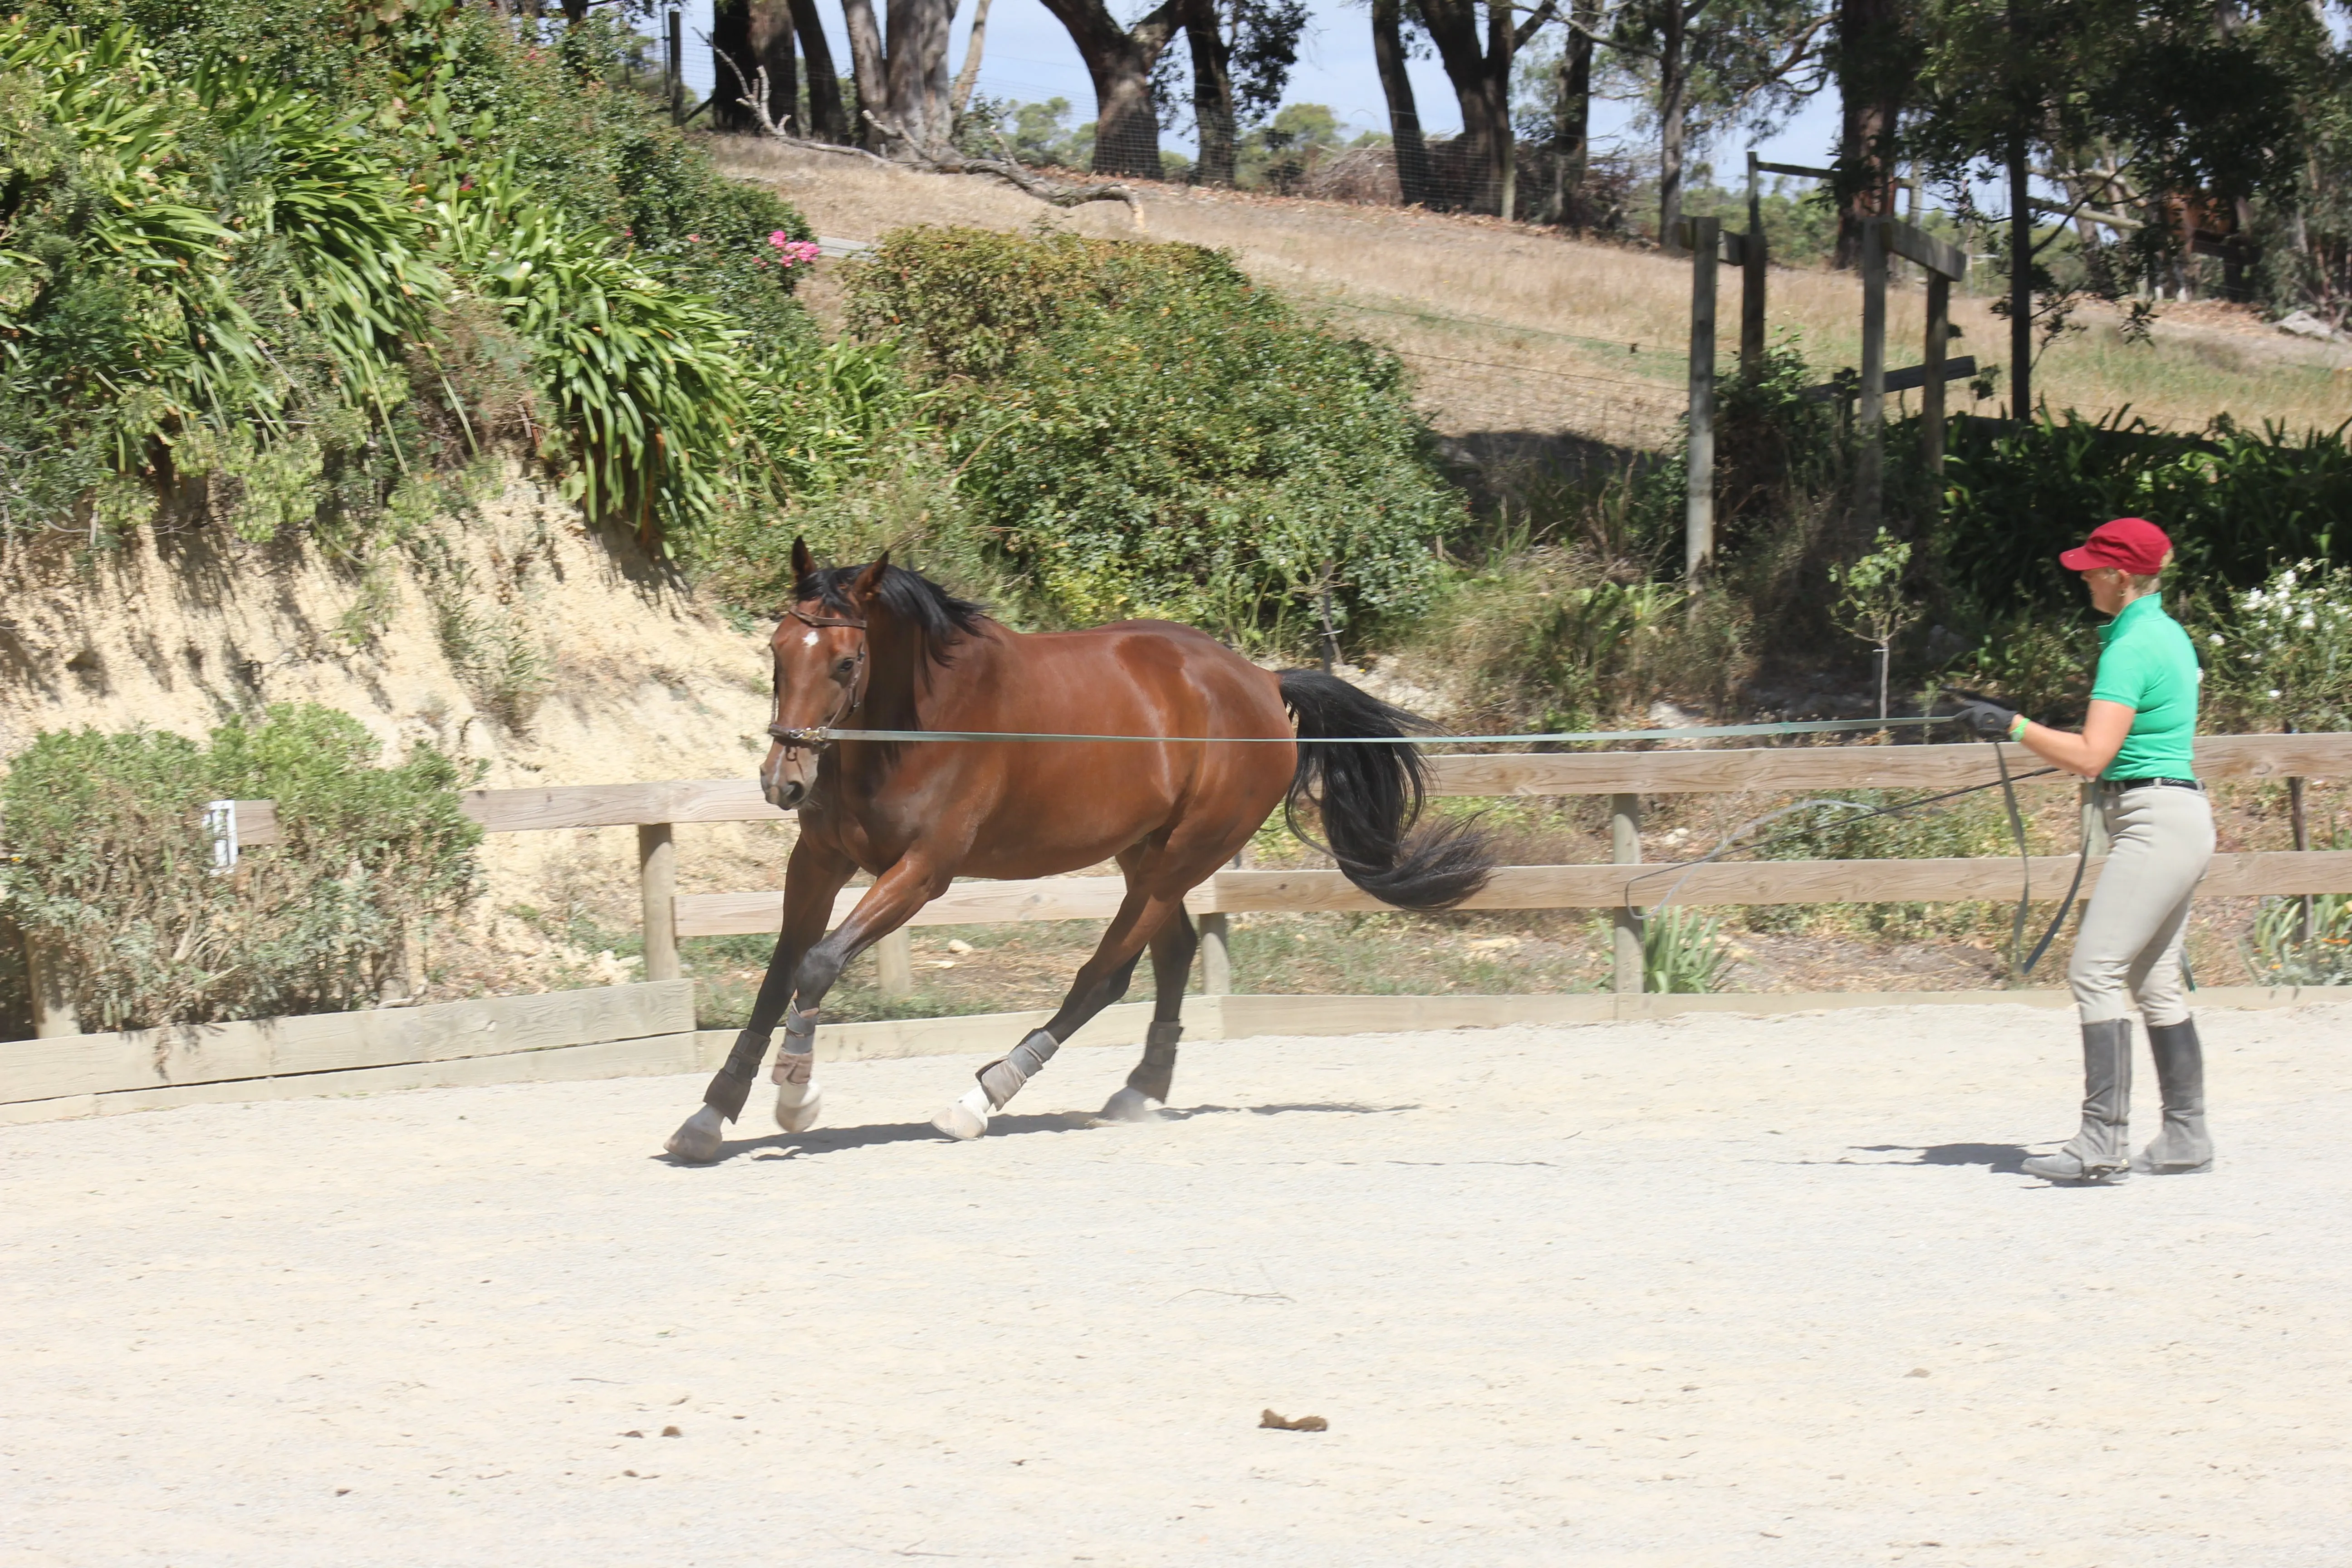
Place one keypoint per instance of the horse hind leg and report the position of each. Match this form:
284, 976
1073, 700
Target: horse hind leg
1146, 1093
1101, 981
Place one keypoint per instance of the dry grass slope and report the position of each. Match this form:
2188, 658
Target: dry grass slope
1512, 328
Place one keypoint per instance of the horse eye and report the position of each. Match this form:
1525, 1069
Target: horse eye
845, 666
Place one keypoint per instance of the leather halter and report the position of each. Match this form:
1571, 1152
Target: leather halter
818, 738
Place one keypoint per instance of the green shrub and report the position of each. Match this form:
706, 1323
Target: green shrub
2237, 505
1140, 431
209, 277
110, 871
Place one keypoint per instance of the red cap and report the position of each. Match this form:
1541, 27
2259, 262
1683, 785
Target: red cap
2134, 544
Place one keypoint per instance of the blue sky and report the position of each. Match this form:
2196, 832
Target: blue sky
1028, 57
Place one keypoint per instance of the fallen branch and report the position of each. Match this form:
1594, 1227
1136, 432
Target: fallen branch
936, 158
949, 160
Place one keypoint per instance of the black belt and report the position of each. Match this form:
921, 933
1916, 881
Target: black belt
2119, 785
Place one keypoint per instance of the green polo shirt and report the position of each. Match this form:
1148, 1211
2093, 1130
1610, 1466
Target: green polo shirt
2147, 663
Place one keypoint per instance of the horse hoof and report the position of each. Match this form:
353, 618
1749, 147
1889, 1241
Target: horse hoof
966, 1117
799, 1114
1132, 1105
697, 1142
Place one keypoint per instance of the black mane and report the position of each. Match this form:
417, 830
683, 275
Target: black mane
941, 619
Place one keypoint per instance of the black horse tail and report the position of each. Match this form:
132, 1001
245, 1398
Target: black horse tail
1371, 797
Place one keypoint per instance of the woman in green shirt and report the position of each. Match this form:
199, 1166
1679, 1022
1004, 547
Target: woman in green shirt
2136, 741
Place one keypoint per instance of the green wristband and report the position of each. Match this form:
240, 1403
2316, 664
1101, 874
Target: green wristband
2017, 727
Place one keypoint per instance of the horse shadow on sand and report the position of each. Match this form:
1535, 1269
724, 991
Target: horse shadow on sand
839, 1140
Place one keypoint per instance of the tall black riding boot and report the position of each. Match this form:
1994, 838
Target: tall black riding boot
2182, 1148
2101, 1152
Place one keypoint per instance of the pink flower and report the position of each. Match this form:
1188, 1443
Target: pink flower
790, 252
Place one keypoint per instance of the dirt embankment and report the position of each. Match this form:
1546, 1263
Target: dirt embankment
515, 637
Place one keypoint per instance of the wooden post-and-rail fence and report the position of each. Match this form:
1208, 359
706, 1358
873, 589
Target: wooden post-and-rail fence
1625, 884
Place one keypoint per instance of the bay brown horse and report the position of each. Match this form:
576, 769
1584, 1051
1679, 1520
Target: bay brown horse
880, 648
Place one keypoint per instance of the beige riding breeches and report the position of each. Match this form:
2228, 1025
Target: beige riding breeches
2131, 935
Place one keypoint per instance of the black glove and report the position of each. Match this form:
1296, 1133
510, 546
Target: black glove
1982, 714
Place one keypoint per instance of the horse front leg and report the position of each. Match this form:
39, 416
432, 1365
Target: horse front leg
812, 877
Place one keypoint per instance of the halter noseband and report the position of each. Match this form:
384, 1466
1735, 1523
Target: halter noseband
818, 738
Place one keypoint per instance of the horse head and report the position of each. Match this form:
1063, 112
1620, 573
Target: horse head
824, 667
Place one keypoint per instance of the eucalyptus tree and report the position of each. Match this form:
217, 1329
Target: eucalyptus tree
1389, 56
1119, 59
901, 68
1706, 64
1476, 41
1242, 55
2183, 101
1874, 55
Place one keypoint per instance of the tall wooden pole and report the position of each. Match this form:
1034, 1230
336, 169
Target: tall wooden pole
677, 68
1931, 393
1705, 238
1751, 280
1869, 473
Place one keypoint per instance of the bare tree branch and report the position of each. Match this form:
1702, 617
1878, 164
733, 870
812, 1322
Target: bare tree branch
757, 102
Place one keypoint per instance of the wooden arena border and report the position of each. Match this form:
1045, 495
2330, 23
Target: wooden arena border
1625, 884
646, 1030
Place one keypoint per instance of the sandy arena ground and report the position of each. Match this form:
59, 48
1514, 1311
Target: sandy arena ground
1713, 1290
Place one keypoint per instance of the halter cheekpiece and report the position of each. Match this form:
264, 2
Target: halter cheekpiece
819, 737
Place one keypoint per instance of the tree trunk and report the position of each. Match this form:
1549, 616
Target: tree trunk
1213, 95
1874, 76
1404, 122
1572, 122
959, 95
771, 49
2021, 282
1118, 62
916, 68
750, 36
730, 51
1673, 100
828, 120
865, 66
1481, 76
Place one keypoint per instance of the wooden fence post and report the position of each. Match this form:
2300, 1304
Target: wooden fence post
1705, 235
894, 964
52, 1010
1869, 473
1216, 956
2305, 927
1626, 850
658, 896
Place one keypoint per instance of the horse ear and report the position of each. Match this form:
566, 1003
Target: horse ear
803, 564
869, 582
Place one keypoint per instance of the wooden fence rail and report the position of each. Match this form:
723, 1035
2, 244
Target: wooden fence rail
1624, 775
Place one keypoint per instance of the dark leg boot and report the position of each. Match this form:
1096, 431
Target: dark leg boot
2182, 1148
2101, 1152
